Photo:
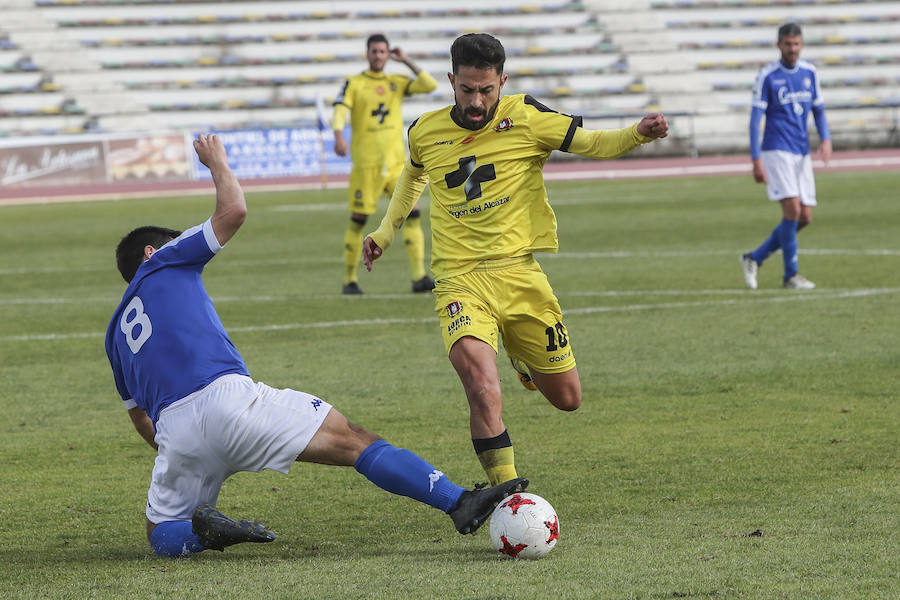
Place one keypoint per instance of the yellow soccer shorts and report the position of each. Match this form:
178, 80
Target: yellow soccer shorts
368, 183
510, 297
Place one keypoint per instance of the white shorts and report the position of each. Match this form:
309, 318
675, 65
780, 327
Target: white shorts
789, 176
233, 424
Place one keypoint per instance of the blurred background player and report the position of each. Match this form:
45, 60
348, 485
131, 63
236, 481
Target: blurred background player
786, 91
374, 102
483, 159
190, 395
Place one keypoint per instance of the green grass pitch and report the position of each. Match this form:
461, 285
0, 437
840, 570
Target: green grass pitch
732, 443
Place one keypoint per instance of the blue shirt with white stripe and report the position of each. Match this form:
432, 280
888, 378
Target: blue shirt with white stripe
786, 97
165, 340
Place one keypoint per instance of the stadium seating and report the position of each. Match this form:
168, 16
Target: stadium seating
198, 64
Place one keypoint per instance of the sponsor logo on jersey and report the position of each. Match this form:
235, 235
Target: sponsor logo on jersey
443, 143
379, 90
504, 125
463, 321
556, 359
316, 403
786, 96
453, 308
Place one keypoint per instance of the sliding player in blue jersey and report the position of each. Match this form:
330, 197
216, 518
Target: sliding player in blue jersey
190, 395
786, 91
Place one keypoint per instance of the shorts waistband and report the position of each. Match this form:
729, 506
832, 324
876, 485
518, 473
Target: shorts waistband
497, 264
186, 400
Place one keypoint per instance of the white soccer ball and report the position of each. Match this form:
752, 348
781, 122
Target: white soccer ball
524, 526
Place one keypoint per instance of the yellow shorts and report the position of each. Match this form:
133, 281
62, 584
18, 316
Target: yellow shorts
368, 183
510, 297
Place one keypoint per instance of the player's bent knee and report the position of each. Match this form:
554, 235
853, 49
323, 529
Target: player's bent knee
567, 401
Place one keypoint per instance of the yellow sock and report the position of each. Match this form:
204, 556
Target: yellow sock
353, 240
499, 464
414, 240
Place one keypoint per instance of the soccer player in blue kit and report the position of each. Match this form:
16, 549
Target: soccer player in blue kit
786, 91
190, 395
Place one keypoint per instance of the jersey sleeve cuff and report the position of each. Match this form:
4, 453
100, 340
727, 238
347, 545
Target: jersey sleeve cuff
210, 237
129, 404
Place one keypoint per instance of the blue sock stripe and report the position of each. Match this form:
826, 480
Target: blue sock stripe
402, 472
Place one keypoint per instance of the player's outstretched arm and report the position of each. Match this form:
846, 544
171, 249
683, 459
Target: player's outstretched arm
409, 187
613, 143
143, 425
231, 207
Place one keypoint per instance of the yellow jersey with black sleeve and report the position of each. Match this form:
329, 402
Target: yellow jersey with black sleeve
488, 199
374, 103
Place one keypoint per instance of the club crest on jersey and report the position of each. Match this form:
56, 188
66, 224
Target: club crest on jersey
393, 87
454, 308
807, 82
504, 125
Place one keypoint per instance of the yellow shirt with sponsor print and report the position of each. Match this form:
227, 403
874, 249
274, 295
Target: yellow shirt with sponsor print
488, 199
374, 102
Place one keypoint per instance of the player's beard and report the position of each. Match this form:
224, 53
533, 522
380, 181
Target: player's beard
462, 115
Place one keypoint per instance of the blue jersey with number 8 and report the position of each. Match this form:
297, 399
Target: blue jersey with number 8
165, 340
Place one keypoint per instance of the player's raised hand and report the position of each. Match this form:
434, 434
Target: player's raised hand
397, 53
371, 252
211, 151
653, 126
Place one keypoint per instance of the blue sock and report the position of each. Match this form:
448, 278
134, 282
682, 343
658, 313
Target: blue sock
768, 247
401, 472
788, 237
174, 539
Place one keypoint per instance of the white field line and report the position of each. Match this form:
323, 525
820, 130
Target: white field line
111, 301
747, 298
541, 256
720, 169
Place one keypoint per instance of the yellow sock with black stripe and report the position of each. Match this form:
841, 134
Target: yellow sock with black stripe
414, 240
496, 457
353, 239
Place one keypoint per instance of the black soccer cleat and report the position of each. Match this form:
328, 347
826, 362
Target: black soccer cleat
426, 284
216, 531
351, 289
475, 506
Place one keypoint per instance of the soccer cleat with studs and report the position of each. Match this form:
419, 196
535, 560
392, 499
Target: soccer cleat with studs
426, 284
524, 376
351, 289
799, 282
216, 531
475, 506
751, 269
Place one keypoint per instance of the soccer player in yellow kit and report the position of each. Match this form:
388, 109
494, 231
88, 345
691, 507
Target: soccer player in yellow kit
483, 158
374, 102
